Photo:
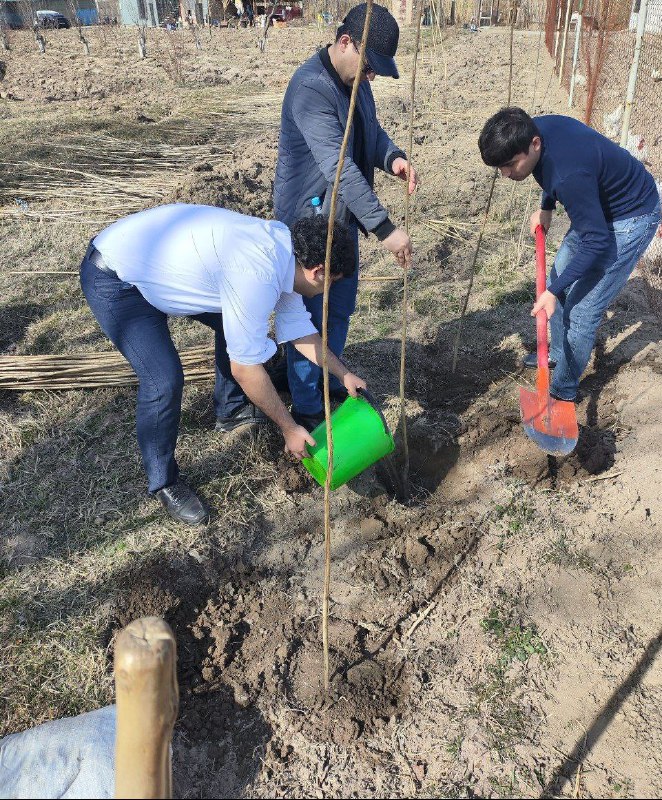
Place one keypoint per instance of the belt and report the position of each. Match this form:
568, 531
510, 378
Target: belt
95, 257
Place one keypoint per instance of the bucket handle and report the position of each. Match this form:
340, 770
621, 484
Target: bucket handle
369, 396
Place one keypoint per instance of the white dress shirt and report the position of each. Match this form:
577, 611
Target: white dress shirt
191, 259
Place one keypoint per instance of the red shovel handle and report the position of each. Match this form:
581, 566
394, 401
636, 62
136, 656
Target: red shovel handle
541, 285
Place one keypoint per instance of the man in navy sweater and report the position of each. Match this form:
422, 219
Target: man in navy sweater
614, 210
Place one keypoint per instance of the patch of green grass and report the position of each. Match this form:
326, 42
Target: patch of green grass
516, 642
503, 718
453, 747
505, 787
623, 788
564, 553
505, 296
513, 517
426, 305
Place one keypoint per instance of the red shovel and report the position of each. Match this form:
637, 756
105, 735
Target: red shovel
550, 423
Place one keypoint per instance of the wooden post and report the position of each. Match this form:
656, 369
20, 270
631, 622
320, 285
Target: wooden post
568, 15
634, 69
575, 55
557, 32
147, 701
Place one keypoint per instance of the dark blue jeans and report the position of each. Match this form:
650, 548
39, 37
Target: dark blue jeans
574, 323
140, 332
303, 376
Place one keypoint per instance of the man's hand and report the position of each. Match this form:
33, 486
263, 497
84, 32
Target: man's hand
546, 302
399, 244
352, 383
399, 168
296, 439
540, 217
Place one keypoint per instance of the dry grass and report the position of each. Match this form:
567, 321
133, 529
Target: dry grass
76, 520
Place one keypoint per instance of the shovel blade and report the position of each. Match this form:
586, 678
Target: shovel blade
551, 424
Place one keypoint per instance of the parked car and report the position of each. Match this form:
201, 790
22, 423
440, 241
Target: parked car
11, 19
51, 19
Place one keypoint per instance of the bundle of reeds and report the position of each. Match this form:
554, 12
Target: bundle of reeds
90, 370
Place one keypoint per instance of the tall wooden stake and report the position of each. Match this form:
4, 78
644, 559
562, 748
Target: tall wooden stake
472, 275
568, 16
325, 345
147, 701
634, 69
405, 286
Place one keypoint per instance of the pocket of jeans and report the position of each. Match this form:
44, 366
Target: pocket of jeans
110, 288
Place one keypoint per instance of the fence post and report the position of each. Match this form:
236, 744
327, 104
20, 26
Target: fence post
568, 14
147, 701
557, 32
634, 69
575, 55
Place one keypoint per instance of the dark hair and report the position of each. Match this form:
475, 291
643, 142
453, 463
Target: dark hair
309, 245
505, 135
342, 30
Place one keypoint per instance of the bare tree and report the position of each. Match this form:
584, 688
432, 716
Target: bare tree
73, 6
262, 41
39, 38
195, 32
4, 38
175, 64
142, 40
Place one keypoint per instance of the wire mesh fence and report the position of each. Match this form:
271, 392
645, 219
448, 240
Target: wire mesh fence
594, 44
608, 55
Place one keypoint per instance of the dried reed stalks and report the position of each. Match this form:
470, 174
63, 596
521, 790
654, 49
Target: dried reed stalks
90, 370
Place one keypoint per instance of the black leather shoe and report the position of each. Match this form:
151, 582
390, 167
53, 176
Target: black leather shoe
308, 421
578, 398
246, 415
531, 361
183, 504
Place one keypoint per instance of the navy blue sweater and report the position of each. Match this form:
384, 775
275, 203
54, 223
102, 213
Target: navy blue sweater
595, 180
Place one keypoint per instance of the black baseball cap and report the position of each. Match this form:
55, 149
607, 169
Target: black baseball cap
383, 36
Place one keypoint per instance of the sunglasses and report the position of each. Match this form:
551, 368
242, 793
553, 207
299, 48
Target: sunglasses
366, 64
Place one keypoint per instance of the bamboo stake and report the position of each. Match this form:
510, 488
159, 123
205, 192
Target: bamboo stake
456, 344
510, 65
634, 69
568, 15
405, 285
465, 304
147, 702
325, 344
557, 32
575, 54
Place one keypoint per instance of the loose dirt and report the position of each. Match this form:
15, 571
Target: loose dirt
497, 636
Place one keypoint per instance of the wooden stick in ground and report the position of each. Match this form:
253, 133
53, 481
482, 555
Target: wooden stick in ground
147, 702
325, 344
456, 344
405, 286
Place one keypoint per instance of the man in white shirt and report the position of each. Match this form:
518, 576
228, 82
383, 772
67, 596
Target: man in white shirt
230, 272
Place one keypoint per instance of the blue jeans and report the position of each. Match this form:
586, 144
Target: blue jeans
140, 332
581, 307
303, 376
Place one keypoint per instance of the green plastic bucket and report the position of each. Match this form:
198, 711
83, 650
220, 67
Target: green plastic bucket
360, 437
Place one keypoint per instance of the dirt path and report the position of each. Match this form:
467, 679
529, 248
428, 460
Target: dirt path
499, 636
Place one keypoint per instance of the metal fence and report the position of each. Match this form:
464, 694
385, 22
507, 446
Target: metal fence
608, 55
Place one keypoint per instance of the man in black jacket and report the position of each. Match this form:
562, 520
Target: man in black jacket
314, 117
